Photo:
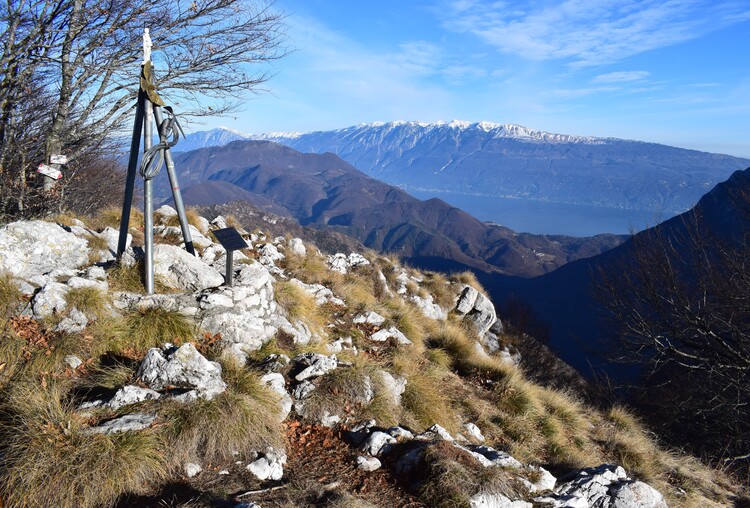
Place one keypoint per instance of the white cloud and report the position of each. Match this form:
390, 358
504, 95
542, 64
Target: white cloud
590, 32
621, 77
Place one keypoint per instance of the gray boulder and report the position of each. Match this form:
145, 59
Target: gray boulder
181, 270
50, 300
182, 367
132, 422
477, 308
32, 248
314, 365
605, 486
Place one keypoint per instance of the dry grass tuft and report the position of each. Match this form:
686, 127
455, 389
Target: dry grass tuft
345, 392
469, 278
10, 298
299, 305
126, 278
110, 217
48, 459
144, 329
241, 420
425, 400
89, 300
450, 477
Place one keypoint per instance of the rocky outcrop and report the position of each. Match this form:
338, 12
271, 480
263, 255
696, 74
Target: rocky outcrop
184, 369
180, 270
34, 248
604, 486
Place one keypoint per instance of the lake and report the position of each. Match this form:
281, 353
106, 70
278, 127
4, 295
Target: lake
541, 217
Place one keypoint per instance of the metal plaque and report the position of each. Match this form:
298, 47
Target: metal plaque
49, 171
58, 159
230, 239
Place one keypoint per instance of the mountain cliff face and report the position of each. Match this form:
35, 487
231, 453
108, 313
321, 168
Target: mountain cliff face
323, 191
512, 161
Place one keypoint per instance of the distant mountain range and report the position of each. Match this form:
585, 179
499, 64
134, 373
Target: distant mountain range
323, 191
506, 160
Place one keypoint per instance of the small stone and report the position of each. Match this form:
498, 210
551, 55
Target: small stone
192, 469
390, 333
73, 361
371, 318
377, 443
436, 432
474, 431
368, 464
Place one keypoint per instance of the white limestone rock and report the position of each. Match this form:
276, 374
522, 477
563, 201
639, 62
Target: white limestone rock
181, 270
477, 308
394, 387
164, 213
131, 394
377, 443
32, 248
314, 365
85, 282
495, 500
355, 259
182, 367
546, 480
635, 495
368, 464
132, 422
277, 383
198, 238
496, 457
391, 333
50, 300
429, 308
269, 254
370, 318
297, 247
435, 433
72, 361
74, 322
269, 466
192, 469
600, 486
338, 262
474, 432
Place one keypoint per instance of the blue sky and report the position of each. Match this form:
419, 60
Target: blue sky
669, 71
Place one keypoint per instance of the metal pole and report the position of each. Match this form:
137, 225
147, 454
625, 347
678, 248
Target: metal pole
148, 187
135, 147
179, 205
230, 268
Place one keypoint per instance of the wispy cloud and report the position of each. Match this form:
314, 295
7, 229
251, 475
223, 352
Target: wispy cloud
621, 77
589, 32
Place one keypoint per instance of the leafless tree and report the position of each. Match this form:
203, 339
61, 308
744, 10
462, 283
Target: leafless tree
680, 305
82, 57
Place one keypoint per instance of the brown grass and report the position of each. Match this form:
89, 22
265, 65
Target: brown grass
48, 459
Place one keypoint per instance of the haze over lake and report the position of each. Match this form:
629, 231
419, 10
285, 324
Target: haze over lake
542, 217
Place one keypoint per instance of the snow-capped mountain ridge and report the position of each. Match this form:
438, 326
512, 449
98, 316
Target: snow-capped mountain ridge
411, 128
